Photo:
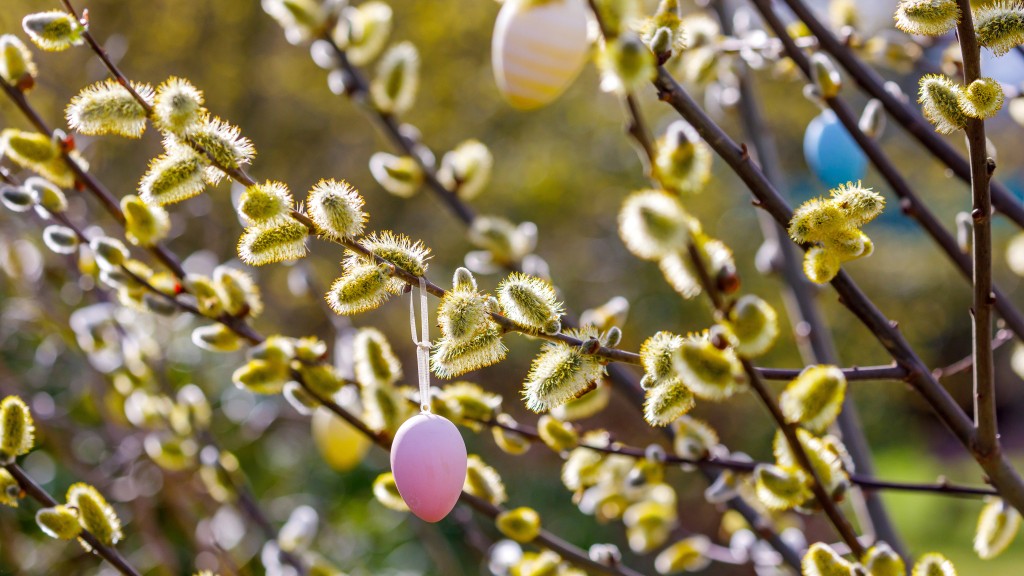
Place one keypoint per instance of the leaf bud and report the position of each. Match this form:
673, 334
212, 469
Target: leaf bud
872, 119
17, 198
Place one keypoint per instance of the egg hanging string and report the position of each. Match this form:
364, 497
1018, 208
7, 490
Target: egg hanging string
423, 343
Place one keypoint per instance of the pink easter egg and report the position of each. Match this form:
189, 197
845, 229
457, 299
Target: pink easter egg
428, 460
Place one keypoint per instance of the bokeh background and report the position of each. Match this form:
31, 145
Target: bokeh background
566, 168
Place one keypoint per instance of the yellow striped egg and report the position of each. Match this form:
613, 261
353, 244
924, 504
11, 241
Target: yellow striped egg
538, 49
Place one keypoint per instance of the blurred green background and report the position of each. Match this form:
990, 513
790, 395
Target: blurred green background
566, 168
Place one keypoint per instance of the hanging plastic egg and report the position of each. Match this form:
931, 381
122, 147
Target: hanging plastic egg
831, 151
339, 443
538, 49
428, 460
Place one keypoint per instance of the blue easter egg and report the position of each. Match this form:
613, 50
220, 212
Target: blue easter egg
831, 152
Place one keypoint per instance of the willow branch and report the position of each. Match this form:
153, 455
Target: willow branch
987, 440
1001, 473
105, 197
906, 116
911, 202
39, 494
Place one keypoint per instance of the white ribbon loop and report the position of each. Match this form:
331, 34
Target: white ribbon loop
422, 344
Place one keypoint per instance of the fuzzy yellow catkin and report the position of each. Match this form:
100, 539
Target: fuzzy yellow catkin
466, 169
53, 31
145, 224
399, 175
264, 203
881, 560
520, 524
927, 17
484, 481
17, 67
223, 143
559, 374
982, 98
261, 377
687, 555
60, 522
238, 292
176, 175
667, 401
449, 358
694, 438
49, 197
780, 488
683, 160
374, 361
394, 87
530, 301
558, 435
940, 101
216, 338
363, 31
710, 373
273, 242
815, 398
470, 401
10, 491
361, 288
398, 249
626, 63
178, 106
17, 429
821, 560
653, 224
107, 107
754, 324
1000, 26
997, 526
933, 564
95, 514
337, 209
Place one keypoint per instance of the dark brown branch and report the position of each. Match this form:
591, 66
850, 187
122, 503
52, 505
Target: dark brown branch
987, 438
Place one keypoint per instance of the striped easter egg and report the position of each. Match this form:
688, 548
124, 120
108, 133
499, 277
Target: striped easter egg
538, 49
